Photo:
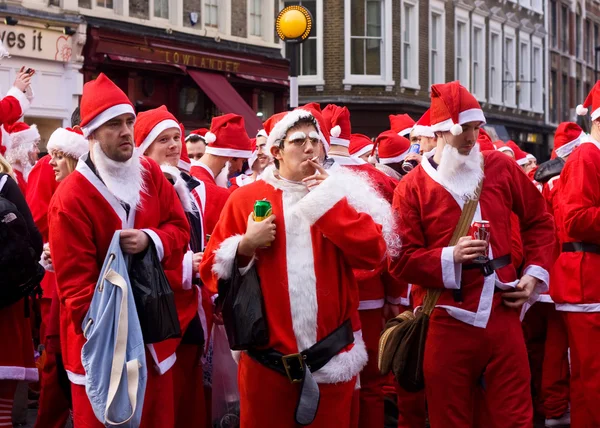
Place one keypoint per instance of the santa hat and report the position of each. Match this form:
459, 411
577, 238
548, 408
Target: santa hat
254, 155
150, 124
199, 132
593, 100
501, 146
228, 137
392, 148
484, 141
324, 126
262, 133
184, 163
530, 157
423, 126
102, 101
69, 141
360, 145
339, 121
279, 124
402, 124
452, 106
568, 136
520, 155
17, 139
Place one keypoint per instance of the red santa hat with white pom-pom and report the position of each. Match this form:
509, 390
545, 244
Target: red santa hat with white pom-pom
228, 138
423, 126
593, 100
567, 138
401, 124
391, 147
452, 106
68, 141
341, 130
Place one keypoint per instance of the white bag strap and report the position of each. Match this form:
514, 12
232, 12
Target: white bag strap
119, 354
3, 182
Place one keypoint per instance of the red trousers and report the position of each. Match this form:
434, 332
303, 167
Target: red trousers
268, 399
54, 405
584, 342
459, 358
158, 402
371, 411
188, 388
555, 372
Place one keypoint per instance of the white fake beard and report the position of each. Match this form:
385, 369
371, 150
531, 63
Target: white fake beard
223, 178
125, 180
459, 173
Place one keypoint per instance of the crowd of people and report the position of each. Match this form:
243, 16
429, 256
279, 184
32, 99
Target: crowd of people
359, 230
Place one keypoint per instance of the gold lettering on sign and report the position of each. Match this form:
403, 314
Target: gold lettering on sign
186, 59
176, 57
167, 55
236, 66
198, 61
203, 63
220, 65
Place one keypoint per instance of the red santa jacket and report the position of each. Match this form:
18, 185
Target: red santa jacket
215, 196
428, 216
240, 181
12, 107
306, 274
576, 287
374, 285
42, 186
83, 217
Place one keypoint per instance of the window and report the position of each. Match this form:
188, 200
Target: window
495, 82
410, 44
161, 9
537, 87
524, 76
309, 67
211, 13
526, 3
553, 24
578, 95
509, 72
587, 41
565, 29
478, 61
565, 98
437, 41
366, 37
552, 102
105, 3
538, 6
255, 24
461, 71
596, 39
578, 27
266, 105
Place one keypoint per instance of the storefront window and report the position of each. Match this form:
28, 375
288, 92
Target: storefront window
266, 105
308, 49
189, 102
161, 9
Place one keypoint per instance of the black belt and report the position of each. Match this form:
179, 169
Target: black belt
580, 247
486, 268
299, 367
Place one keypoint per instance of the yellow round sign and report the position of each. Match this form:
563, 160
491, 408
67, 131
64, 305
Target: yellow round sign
293, 23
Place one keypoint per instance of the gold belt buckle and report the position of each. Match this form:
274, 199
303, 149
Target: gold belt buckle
288, 368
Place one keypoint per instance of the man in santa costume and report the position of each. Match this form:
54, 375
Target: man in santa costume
423, 134
474, 335
158, 136
360, 147
21, 142
575, 285
16, 102
392, 150
113, 188
304, 258
196, 144
214, 166
257, 163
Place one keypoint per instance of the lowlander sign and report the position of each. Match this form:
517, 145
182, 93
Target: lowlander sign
36, 43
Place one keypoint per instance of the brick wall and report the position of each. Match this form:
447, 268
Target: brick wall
192, 6
239, 18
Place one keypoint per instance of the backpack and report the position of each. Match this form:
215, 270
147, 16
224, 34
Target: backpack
20, 271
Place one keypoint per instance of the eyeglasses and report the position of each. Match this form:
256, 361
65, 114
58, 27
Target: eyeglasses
300, 142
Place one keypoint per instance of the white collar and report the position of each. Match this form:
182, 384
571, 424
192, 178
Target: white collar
347, 160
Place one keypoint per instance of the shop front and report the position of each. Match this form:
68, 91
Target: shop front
196, 78
41, 44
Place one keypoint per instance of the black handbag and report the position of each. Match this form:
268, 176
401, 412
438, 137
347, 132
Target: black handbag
241, 303
154, 298
549, 169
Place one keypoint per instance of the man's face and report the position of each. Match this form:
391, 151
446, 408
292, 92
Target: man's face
301, 144
465, 141
236, 165
195, 148
116, 137
262, 158
34, 152
166, 148
427, 144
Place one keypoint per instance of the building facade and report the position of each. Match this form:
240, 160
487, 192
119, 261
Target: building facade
380, 57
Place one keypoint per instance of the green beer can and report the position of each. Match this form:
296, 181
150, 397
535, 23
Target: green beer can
262, 210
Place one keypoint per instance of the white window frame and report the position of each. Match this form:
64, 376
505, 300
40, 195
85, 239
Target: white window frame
267, 21
479, 23
438, 7
158, 18
526, 4
316, 79
385, 78
509, 65
462, 16
412, 62
538, 6
496, 56
224, 17
525, 67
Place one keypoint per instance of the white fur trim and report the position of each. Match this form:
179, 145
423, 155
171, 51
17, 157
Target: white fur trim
506, 149
26, 136
24, 102
162, 366
288, 121
160, 250
366, 305
336, 141
209, 137
180, 187
345, 365
422, 131
105, 116
225, 256
187, 270
184, 166
155, 132
336, 131
230, 153
577, 307
523, 161
77, 379
70, 143
542, 275
456, 129
367, 149
581, 110
395, 159
451, 271
262, 133
406, 132
531, 157
566, 149
545, 298
471, 115
596, 114
19, 373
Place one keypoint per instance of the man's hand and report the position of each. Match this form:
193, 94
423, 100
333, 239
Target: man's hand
390, 311
468, 249
134, 241
413, 156
196, 259
23, 80
523, 291
317, 178
258, 234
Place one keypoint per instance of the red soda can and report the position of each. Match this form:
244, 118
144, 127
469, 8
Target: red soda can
481, 231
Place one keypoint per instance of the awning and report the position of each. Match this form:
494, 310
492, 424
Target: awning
226, 98
264, 79
497, 132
